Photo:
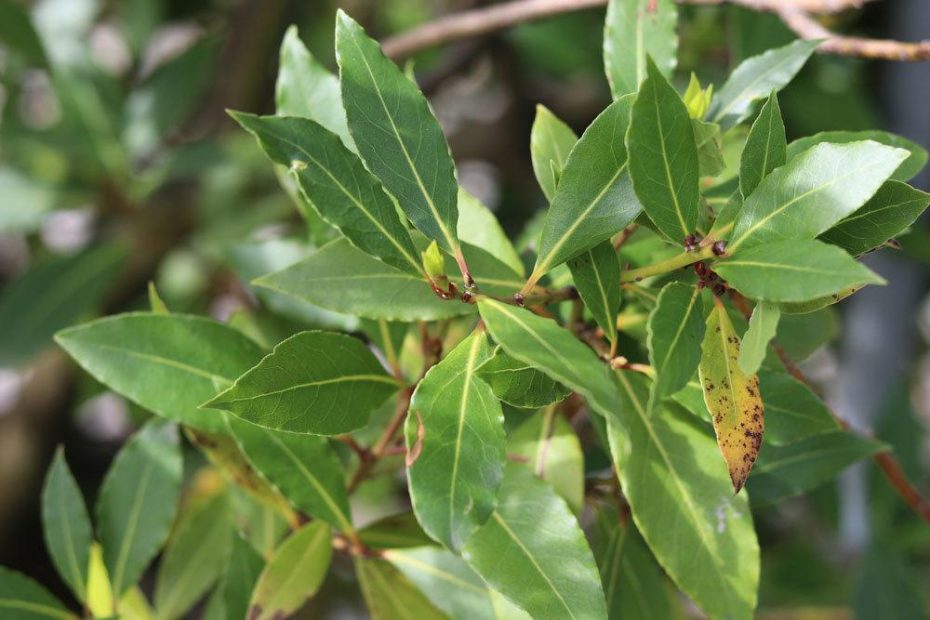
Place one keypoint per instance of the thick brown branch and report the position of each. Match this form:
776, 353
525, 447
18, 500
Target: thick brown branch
797, 15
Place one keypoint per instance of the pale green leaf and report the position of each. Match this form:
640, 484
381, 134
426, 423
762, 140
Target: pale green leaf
138, 501
673, 336
520, 384
25, 200
766, 147
168, 364
906, 171
551, 449
634, 31
389, 595
21, 598
792, 411
66, 526
762, 326
479, 227
596, 274
551, 140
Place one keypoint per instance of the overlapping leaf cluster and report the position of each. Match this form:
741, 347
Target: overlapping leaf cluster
681, 393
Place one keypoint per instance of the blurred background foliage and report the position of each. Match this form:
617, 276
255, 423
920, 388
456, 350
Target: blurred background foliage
119, 166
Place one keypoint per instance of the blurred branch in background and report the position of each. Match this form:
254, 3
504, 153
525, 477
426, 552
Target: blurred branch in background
798, 15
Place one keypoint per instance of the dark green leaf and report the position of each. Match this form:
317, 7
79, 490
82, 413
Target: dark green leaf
551, 449
168, 364
906, 171
242, 572
533, 552
756, 78
551, 141
66, 526
314, 382
633, 31
18, 34
397, 134
456, 445
519, 383
792, 411
674, 334
398, 531
766, 147
389, 595
709, 144
138, 501
893, 208
792, 271
889, 586
663, 157
762, 326
682, 498
596, 274
21, 598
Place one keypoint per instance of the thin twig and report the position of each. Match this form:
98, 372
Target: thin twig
797, 15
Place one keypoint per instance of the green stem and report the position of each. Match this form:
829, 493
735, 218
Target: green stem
676, 262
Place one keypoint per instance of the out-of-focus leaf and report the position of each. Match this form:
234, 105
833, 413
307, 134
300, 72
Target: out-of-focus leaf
709, 146
478, 226
66, 526
533, 552
100, 600
18, 33
305, 553
168, 364
887, 587
519, 383
908, 169
398, 531
389, 595
634, 31
596, 274
792, 411
25, 202
242, 573
52, 296
766, 147
553, 452
138, 501
21, 598
551, 140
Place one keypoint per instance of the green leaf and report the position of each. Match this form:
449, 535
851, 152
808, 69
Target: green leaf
888, 585
766, 147
682, 498
156, 303
792, 411
389, 595
388, 336
596, 274
893, 208
26, 200
542, 343
478, 227
21, 598
447, 581
397, 134
314, 382
305, 554
168, 364
398, 531
455, 445
756, 78
594, 198
792, 271
307, 89
66, 526
551, 449
334, 180
304, 468
533, 552
674, 333
18, 33
551, 141
762, 326
634, 31
663, 157
906, 171
242, 573
195, 557
732, 396
813, 191
138, 501
342, 278
785, 471
57, 293
520, 384
709, 146
631, 578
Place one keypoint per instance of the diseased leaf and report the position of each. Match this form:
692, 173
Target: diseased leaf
551, 449
906, 171
813, 191
518, 383
674, 334
732, 397
596, 274
397, 134
551, 141
762, 326
21, 598
766, 147
447, 581
756, 78
893, 208
66, 526
663, 157
455, 427
533, 552
793, 271
138, 501
479, 227
314, 382
307, 89
305, 553
545, 345
342, 278
671, 475
336, 182
634, 31
168, 364
595, 197
304, 468
798, 467
242, 573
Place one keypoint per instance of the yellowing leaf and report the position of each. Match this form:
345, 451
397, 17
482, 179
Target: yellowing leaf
732, 397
